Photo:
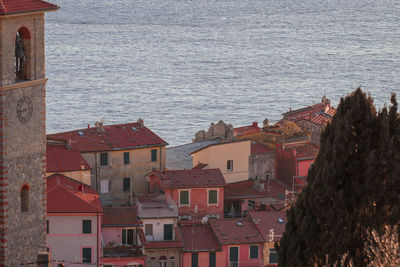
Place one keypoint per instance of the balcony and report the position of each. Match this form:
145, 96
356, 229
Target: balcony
121, 251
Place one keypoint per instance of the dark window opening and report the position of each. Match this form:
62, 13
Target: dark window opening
195, 260
167, 231
103, 159
212, 260
253, 252
229, 165
154, 155
126, 158
87, 255
128, 237
127, 184
184, 197
212, 197
86, 227
25, 198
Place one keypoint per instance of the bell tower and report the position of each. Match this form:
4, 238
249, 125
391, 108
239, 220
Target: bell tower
22, 131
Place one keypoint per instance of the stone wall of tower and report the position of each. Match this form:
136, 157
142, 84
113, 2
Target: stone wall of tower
22, 145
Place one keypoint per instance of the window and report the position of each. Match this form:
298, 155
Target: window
167, 231
172, 262
234, 256
212, 196
153, 262
126, 158
162, 261
128, 236
25, 198
127, 184
104, 186
87, 255
183, 198
212, 259
253, 252
148, 229
47, 226
86, 227
273, 256
103, 159
195, 260
154, 155
229, 165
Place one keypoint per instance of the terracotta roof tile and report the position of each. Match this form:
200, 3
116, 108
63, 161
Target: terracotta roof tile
244, 231
194, 178
165, 244
267, 220
60, 159
245, 130
112, 137
259, 149
308, 151
120, 216
65, 195
199, 237
21, 6
248, 189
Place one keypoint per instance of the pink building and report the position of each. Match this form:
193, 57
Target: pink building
73, 221
241, 242
120, 230
196, 192
200, 246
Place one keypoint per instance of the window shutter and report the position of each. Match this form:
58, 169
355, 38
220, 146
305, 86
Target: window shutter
123, 236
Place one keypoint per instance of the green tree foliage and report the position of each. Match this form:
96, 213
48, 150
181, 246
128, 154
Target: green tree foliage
353, 188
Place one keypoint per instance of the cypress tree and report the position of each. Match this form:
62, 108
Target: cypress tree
353, 187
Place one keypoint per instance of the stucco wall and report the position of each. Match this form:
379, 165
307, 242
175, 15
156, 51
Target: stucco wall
204, 258
216, 156
158, 227
303, 166
244, 255
66, 240
260, 164
199, 197
140, 164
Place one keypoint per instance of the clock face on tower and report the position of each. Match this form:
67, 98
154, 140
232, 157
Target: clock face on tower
24, 109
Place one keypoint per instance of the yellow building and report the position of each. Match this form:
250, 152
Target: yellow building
232, 158
120, 157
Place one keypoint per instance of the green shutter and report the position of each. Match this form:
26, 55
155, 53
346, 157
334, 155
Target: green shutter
123, 236
127, 183
184, 197
212, 197
253, 252
86, 255
86, 226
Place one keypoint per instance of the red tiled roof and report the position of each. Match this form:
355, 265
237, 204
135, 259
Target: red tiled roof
201, 239
305, 152
65, 195
164, 244
194, 178
200, 166
60, 159
21, 6
248, 189
267, 220
217, 144
236, 231
120, 216
245, 130
112, 137
259, 149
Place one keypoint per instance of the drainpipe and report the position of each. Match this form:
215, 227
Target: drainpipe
160, 158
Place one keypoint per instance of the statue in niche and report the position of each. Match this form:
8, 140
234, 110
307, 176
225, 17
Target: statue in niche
19, 55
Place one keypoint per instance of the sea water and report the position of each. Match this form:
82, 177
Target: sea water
182, 64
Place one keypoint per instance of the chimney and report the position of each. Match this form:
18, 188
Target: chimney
140, 121
255, 124
266, 123
99, 126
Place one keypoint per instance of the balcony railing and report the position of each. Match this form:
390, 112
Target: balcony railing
121, 251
